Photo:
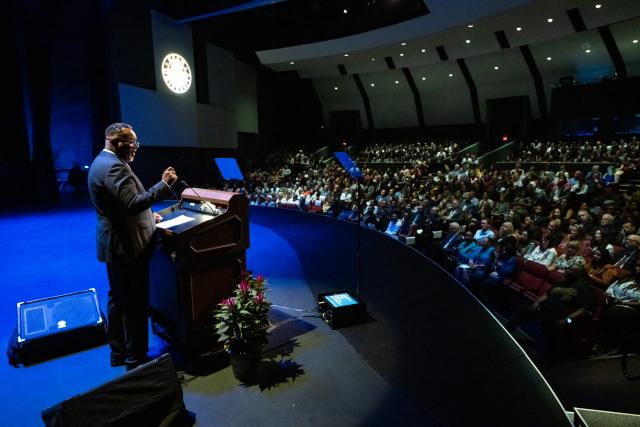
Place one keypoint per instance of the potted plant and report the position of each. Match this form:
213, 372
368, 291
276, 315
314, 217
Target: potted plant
241, 322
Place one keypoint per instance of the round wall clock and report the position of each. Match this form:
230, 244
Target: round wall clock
176, 73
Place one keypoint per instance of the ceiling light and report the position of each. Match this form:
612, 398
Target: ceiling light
450, 75
548, 58
496, 68
598, 6
373, 84
549, 20
588, 51
467, 41
424, 50
373, 59
345, 11
402, 54
635, 41
403, 44
424, 78
470, 25
396, 82
518, 28
346, 54
291, 62
335, 88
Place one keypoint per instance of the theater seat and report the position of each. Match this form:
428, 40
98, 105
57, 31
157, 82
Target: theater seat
531, 278
584, 332
514, 277
554, 278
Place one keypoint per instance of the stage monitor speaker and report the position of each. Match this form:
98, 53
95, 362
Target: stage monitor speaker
341, 308
53, 326
149, 395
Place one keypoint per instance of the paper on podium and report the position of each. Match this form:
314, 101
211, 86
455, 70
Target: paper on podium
174, 221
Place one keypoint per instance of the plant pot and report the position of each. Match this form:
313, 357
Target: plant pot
245, 363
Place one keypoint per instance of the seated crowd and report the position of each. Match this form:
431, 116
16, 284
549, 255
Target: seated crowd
491, 226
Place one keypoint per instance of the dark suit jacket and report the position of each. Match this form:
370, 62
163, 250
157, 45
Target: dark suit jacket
125, 221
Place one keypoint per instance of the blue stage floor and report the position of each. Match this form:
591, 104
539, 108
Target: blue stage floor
53, 252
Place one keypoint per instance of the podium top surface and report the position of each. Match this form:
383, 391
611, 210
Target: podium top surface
212, 196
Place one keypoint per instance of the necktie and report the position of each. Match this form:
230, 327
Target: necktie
622, 261
446, 245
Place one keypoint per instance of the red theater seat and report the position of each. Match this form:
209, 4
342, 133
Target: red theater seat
531, 282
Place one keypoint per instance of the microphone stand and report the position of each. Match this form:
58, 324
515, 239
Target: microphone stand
201, 198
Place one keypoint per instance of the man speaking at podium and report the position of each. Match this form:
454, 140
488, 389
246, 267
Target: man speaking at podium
123, 234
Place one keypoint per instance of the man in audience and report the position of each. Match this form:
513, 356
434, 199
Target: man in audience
628, 228
484, 232
626, 259
559, 309
608, 230
451, 241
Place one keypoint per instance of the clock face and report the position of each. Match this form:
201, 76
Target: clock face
176, 73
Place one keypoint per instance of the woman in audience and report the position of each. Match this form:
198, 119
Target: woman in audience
467, 249
503, 266
526, 224
561, 189
580, 188
600, 270
575, 234
484, 209
477, 266
599, 242
567, 260
567, 212
553, 231
544, 253
500, 208
525, 244
609, 177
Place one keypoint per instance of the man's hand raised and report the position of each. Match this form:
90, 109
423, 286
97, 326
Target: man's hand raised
169, 175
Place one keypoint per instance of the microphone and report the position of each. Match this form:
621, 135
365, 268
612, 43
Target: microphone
207, 204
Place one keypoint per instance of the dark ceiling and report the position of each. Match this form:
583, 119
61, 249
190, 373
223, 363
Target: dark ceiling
269, 25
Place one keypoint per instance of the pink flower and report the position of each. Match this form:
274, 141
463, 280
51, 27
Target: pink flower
259, 298
229, 302
244, 287
259, 278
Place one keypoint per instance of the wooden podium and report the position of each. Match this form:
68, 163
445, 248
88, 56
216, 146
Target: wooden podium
197, 258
